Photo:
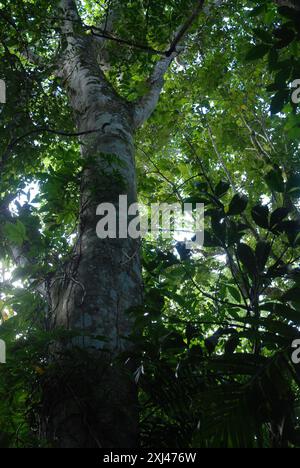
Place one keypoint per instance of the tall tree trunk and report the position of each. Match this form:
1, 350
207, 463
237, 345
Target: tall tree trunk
92, 402
103, 280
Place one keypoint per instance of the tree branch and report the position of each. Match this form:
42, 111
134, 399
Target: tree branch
145, 106
106, 35
185, 27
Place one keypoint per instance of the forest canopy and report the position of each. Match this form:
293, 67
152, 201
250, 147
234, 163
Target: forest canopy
148, 343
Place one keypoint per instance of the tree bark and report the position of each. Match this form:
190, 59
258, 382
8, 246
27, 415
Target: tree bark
103, 281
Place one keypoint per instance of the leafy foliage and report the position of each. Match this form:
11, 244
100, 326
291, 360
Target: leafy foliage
213, 340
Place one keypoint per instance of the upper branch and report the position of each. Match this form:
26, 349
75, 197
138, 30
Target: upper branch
185, 27
145, 106
104, 35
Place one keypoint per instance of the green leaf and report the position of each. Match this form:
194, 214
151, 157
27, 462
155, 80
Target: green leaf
222, 188
235, 293
278, 216
247, 257
238, 205
292, 230
260, 215
262, 253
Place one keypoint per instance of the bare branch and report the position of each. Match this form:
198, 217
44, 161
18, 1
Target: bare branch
145, 106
